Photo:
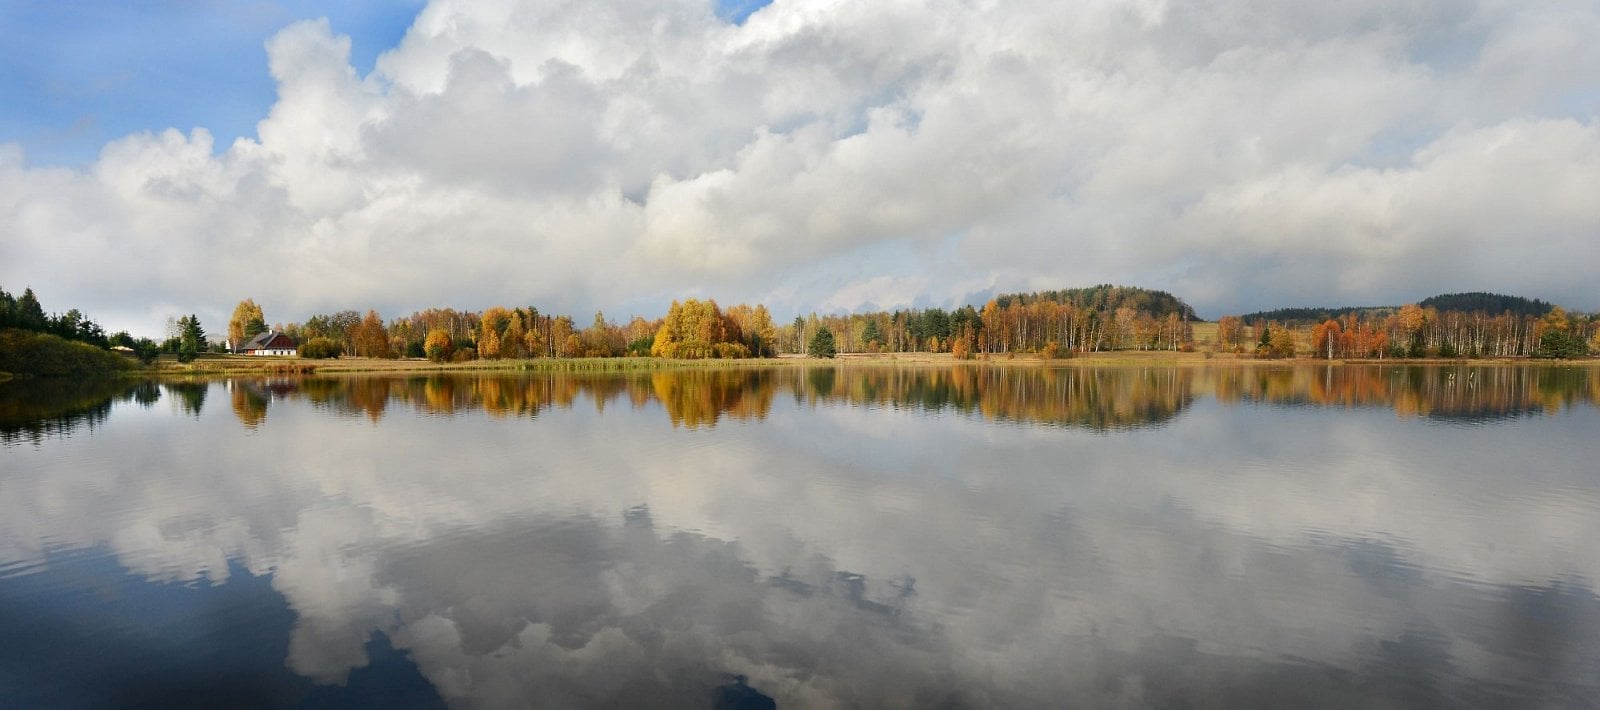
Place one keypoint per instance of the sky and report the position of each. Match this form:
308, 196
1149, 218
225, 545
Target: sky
812, 156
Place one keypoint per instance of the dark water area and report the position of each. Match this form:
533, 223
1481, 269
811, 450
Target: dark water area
962, 536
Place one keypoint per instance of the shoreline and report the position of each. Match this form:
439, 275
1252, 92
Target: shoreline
251, 366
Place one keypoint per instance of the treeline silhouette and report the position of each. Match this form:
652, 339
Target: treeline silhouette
1470, 302
26, 313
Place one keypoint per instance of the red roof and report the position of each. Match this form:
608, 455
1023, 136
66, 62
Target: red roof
269, 341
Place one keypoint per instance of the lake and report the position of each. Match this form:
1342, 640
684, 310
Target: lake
959, 536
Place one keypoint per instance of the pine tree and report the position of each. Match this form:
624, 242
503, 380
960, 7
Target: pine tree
191, 337
870, 334
29, 314
821, 344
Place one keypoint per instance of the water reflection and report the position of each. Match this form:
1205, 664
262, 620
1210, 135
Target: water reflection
32, 410
191, 396
1092, 398
1083, 397
628, 541
1099, 399
1473, 392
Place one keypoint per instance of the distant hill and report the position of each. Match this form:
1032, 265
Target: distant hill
1476, 301
1107, 297
1492, 303
1308, 316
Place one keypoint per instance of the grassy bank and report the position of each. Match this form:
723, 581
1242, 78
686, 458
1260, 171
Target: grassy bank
29, 354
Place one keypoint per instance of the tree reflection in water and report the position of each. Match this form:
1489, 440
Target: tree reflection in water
1094, 398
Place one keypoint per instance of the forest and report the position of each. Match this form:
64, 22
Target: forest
1474, 302
1050, 323
1047, 324
1463, 325
1043, 324
62, 345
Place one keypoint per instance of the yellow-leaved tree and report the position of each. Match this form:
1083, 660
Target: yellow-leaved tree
562, 337
760, 335
438, 347
514, 344
247, 322
1229, 331
697, 329
491, 325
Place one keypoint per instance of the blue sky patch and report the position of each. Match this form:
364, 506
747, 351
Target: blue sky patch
80, 74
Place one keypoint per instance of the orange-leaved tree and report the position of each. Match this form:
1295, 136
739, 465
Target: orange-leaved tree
439, 345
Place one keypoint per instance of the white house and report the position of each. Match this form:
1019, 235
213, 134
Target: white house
269, 343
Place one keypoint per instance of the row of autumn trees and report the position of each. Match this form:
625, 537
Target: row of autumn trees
1047, 322
1050, 323
1416, 331
691, 329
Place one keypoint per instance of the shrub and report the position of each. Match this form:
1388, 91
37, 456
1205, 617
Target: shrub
728, 351
641, 347
320, 349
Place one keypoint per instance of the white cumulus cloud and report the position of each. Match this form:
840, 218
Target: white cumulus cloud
577, 156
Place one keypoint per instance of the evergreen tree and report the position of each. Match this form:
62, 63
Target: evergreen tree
253, 327
821, 344
8, 309
29, 314
870, 333
191, 337
1560, 344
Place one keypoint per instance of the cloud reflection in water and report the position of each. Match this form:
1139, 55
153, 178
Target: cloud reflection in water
972, 537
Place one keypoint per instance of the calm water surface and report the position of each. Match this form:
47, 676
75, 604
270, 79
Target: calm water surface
854, 537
